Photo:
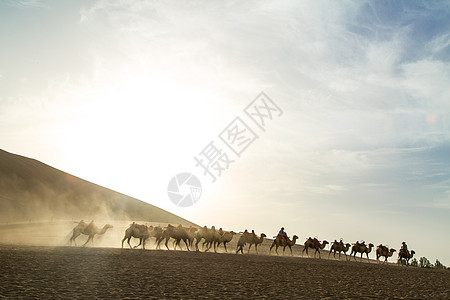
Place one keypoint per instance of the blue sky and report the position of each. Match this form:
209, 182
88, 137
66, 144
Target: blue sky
360, 152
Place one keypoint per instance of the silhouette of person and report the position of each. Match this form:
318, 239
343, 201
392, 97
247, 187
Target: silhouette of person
282, 234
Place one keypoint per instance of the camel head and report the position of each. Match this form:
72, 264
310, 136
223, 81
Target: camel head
295, 237
325, 243
263, 235
412, 253
371, 245
108, 226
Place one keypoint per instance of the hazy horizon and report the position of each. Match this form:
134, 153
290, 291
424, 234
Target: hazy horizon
126, 93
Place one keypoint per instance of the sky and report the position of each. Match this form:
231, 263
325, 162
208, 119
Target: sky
126, 94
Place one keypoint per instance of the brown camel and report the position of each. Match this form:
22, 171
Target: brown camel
361, 248
253, 239
406, 255
384, 251
157, 233
87, 229
141, 232
314, 244
199, 235
282, 242
225, 238
214, 238
165, 235
192, 233
339, 247
208, 235
178, 233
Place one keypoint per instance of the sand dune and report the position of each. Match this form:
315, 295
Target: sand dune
31, 191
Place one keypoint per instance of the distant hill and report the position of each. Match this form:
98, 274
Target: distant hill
33, 191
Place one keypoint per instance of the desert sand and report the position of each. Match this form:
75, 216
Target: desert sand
107, 271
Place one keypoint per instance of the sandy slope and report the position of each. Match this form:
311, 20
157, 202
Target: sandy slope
75, 272
31, 191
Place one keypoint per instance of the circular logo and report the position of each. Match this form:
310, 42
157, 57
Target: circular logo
184, 189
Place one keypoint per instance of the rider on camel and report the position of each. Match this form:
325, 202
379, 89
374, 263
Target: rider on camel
404, 247
282, 234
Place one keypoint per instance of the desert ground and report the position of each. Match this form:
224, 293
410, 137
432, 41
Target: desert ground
107, 271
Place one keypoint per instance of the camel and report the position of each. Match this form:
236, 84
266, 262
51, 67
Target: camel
208, 235
225, 238
141, 232
213, 239
240, 245
384, 251
165, 235
315, 244
199, 235
281, 242
339, 247
192, 232
361, 248
405, 254
252, 239
87, 229
157, 233
177, 233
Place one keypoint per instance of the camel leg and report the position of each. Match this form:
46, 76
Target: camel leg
203, 245
75, 234
174, 244
249, 248
225, 245
187, 246
256, 249
89, 238
208, 246
196, 245
167, 240
140, 242
290, 248
129, 242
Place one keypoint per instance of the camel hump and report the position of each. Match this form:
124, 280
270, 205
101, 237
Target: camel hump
141, 227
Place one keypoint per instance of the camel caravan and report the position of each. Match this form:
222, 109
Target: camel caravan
206, 239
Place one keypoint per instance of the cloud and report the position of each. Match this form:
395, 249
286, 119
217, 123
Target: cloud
26, 4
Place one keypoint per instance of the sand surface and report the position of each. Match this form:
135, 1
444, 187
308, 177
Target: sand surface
113, 273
